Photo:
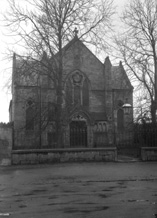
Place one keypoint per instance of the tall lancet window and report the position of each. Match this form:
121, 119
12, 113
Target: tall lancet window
77, 90
120, 120
30, 115
85, 91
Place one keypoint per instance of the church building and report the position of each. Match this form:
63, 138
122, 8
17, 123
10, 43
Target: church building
94, 95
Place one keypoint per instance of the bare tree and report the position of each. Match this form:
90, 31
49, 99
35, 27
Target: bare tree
47, 26
138, 48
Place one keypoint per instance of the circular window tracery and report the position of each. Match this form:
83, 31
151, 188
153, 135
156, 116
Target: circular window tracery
77, 78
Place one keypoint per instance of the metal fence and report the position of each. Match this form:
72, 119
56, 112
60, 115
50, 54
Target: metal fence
141, 136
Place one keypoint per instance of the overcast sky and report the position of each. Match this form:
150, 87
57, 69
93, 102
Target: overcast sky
6, 65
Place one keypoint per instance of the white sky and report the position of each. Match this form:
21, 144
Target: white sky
6, 64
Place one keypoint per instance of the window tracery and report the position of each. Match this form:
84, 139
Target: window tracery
77, 90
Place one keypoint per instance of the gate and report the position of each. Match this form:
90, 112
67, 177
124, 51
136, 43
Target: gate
130, 143
78, 134
127, 145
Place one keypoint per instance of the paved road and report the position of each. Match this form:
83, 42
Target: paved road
82, 190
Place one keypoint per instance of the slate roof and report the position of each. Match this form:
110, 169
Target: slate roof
119, 77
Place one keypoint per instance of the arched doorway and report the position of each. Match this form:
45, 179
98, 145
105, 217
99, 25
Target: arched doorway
78, 132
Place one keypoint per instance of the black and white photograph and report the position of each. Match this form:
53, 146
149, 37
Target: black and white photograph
78, 114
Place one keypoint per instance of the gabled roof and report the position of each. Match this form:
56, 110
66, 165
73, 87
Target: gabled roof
76, 39
120, 79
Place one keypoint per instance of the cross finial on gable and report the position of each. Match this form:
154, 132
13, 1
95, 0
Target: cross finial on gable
76, 31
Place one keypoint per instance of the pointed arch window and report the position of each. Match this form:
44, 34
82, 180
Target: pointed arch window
51, 111
69, 93
85, 91
30, 114
120, 120
77, 90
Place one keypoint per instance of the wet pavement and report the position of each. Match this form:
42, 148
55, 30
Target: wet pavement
79, 190
128, 159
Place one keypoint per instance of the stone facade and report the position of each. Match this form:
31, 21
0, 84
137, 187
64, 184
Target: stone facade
5, 143
94, 93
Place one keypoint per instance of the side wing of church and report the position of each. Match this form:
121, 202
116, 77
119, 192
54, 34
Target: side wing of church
94, 93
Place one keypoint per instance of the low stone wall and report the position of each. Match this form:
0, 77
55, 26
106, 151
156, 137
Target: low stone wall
149, 153
37, 156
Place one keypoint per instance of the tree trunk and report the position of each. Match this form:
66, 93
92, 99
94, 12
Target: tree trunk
59, 91
59, 136
153, 111
154, 103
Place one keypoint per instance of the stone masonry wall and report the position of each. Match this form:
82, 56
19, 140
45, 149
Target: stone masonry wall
63, 155
149, 153
5, 143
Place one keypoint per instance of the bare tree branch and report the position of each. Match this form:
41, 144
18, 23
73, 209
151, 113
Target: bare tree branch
137, 46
